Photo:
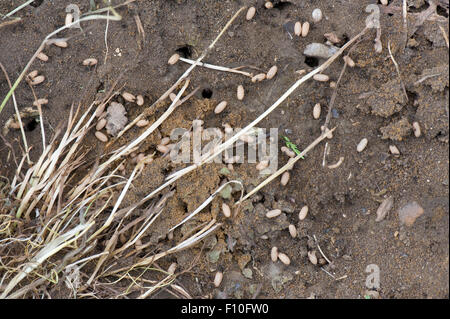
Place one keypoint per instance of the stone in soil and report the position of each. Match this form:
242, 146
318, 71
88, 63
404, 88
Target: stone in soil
384, 208
116, 117
409, 213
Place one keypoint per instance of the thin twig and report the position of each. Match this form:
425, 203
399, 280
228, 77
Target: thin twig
17, 9
4, 24
444, 34
398, 70
41, 119
405, 23
218, 68
318, 246
19, 118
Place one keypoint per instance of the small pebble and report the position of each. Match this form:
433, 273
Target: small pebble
384, 208
174, 59
271, 73
321, 77
274, 254
384, 2
259, 77
220, 107
316, 111
240, 92
362, 145
250, 13
218, 279
349, 61
320, 50
42, 56
273, 213
416, 129
90, 62
409, 213
332, 84
61, 44
285, 178
394, 150
298, 28
292, 231
69, 19
40, 102
284, 258
226, 210
268, 5
128, 97
335, 113
142, 123
317, 15
100, 124
101, 137
37, 80
312, 257
140, 100
305, 29
172, 268
303, 213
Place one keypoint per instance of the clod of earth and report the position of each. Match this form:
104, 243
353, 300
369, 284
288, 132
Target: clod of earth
116, 117
396, 131
388, 100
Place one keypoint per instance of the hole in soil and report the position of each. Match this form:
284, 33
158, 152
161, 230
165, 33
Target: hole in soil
442, 11
31, 125
207, 93
101, 88
186, 51
344, 40
412, 96
311, 61
281, 5
420, 9
36, 3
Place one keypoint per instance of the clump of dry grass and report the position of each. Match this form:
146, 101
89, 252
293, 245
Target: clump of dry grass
55, 230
